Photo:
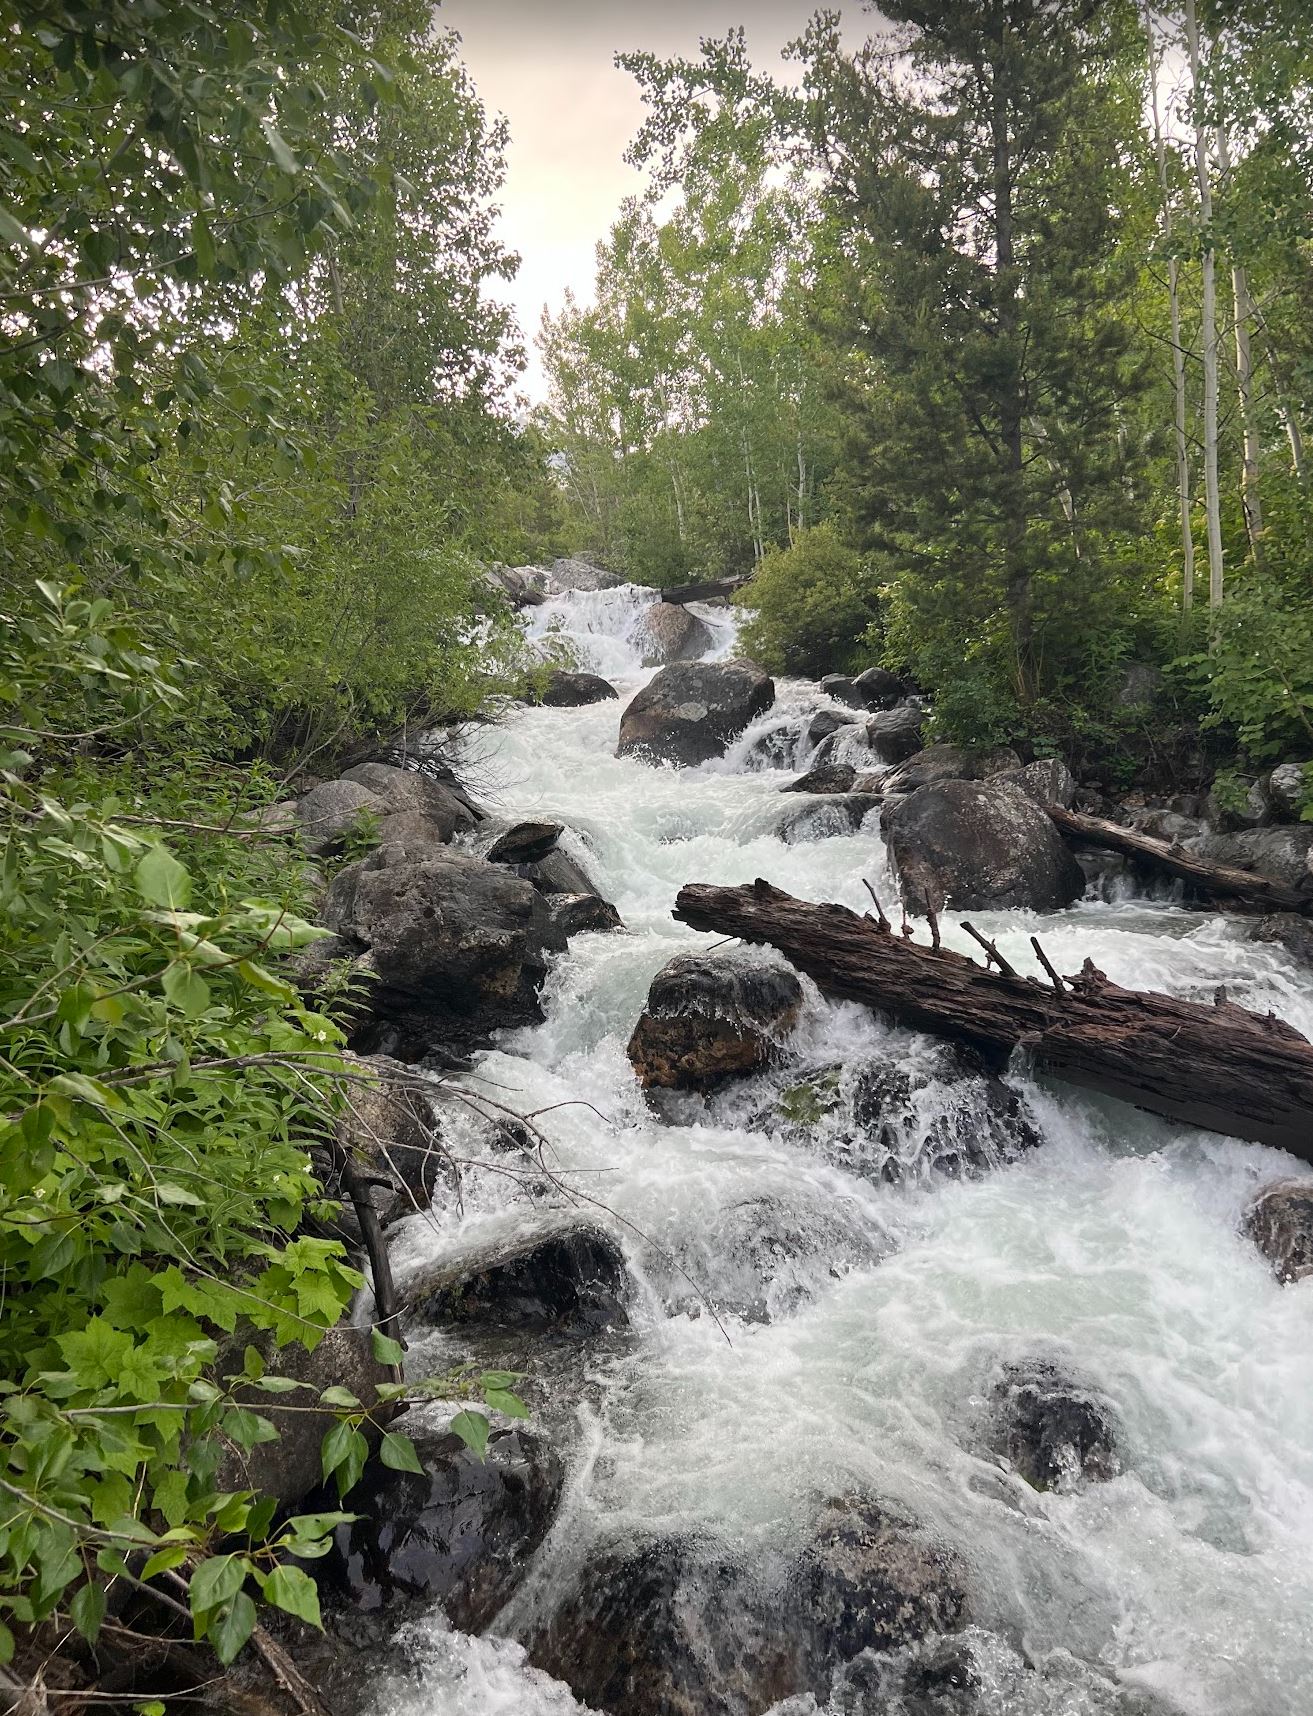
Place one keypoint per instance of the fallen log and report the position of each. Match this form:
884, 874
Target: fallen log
717, 587
1219, 1067
1245, 888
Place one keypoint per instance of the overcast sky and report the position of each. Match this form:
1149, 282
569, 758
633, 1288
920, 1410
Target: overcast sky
547, 65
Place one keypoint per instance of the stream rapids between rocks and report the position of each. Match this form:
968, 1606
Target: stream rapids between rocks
864, 1304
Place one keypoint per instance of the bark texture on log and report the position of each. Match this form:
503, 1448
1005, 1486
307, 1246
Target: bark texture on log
1245, 887
1219, 1067
681, 593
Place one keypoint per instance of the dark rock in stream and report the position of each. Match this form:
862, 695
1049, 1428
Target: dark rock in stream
825, 722
1290, 931
979, 845
842, 689
1057, 1432
713, 1016
1280, 1223
832, 814
524, 842
684, 1625
829, 777
572, 913
460, 1533
896, 735
566, 1280
691, 711
668, 632
880, 688
566, 689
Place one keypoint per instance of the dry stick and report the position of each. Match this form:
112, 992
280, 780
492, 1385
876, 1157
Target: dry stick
992, 953
1044, 961
934, 924
885, 925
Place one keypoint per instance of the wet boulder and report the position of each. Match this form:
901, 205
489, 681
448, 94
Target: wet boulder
1280, 1223
1048, 781
565, 1278
460, 1533
391, 1127
668, 632
685, 1625
950, 763
979, 846
568, 689
1282, 852
829, 777
523, 842
573, 913
331, 813
827, 721
1057, 1432
881, 689
895, 735
713, 1016
843, 689
691, 711
577, 574
453, 943
558, 873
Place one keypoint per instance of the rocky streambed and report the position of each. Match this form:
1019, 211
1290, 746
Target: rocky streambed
864, 1378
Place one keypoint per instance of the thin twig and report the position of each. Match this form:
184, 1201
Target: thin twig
992, 953
884, 925
934, 923
1045, 962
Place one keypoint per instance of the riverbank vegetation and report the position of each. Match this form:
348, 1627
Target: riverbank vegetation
1014, 305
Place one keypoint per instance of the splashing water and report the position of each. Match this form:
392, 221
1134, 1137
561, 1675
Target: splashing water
865, 1318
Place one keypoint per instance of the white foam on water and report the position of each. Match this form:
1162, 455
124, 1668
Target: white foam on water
1114, 1248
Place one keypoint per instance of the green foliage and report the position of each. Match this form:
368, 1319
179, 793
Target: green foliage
1257, 678
813, 605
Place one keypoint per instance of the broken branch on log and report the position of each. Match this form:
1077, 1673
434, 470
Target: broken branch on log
1044, 960
992, 953
1222, 1068
1247, 888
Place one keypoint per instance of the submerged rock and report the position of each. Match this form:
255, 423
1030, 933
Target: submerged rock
713, 1016
1280, 1223
568, 1279
978, 845
1057, 1432
691, 711
831, 814
668, 632
461, 1533
567, 689
683, 1625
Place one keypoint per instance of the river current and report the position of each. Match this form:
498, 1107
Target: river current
857, 1352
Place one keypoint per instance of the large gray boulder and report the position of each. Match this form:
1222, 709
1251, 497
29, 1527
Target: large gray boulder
880, 688
1290, 786
668, 632
979, 846
451, 941
330, 813
445, 802
1280, 1223
691, 711
713, 1016
1280, 852
844, 689
1048, 781
895, 735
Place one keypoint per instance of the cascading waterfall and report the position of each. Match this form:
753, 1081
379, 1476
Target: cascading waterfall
867, 1300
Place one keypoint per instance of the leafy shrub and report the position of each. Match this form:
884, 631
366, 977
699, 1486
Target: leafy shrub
812, 607
1257, 677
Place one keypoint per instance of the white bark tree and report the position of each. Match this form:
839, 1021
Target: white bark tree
1208, 317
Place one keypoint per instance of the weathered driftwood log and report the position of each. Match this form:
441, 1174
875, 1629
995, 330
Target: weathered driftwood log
708, 592
1245, 887
1219, 1067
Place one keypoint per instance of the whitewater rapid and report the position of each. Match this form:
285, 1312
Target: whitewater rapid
859, 1357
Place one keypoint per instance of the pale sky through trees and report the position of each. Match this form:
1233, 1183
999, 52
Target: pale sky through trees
547, 65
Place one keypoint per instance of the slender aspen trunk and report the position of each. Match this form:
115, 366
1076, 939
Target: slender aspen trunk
1178, 351
1203, 171
1250, 497
1016, 572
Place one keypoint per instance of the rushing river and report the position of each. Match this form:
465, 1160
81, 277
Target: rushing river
859, 1354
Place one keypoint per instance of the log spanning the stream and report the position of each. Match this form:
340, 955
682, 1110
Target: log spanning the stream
1245, 888
709, 592
1219, 1067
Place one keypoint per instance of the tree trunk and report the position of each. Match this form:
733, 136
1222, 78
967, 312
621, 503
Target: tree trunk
1178, 351
1219, 1067
1011, 410
1203, 170
1250, 496
1246, 888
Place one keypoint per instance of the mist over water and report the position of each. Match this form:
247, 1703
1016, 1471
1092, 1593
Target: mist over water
860, 1353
